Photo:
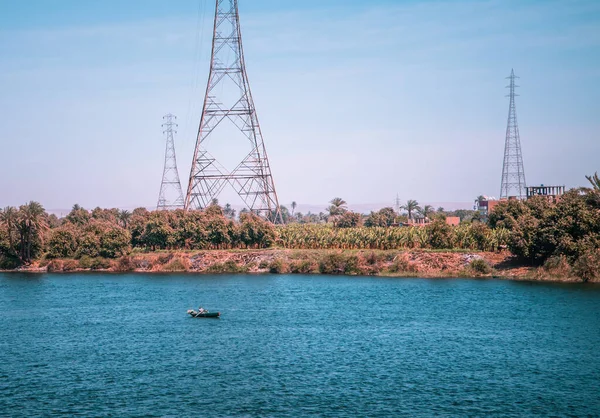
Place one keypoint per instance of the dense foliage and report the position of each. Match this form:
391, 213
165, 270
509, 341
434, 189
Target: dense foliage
437, 235
25, 234
541, 230
565, 234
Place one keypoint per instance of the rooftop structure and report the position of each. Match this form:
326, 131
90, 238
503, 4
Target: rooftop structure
550, 192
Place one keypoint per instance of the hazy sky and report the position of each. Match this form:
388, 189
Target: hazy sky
358, 99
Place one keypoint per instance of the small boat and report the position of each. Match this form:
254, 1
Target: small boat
205, 314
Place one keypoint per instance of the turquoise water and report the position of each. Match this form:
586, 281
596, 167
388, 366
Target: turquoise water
122, 345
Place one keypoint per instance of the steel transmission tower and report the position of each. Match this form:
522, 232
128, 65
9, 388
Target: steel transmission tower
252, 178
170, 196
513, 174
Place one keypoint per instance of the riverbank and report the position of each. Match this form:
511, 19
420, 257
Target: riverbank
416, 263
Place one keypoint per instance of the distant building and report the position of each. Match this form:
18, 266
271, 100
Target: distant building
453, 220
450, 220
485, 205
552, 193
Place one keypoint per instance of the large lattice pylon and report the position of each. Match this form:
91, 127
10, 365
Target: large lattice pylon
170, 195
513, 174
252, 178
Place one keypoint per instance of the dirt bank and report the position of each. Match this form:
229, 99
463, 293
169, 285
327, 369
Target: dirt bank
427, 264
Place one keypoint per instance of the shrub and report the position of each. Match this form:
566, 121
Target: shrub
9, 262
403, 265
385, 217
483, 237
557, 266
124, 264
440, 234
351, 266
228, 266
85, 262
339, 264
303, 267
587, 266
480, 266
349, 220
176, 265
332, 264
100, 263
278, 266
70, 265
142, 263
372, 258
55, 266
369, 264
164, 259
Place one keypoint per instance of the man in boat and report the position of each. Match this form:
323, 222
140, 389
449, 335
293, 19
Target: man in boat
201, 310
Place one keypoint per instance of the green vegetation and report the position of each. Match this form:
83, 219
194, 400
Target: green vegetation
541, 230
437, 235
563, 237
480, 266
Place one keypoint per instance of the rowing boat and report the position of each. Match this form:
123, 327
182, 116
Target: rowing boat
206, 314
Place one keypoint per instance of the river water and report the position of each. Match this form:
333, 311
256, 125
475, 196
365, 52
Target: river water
122, 345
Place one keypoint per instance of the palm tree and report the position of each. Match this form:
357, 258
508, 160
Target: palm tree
8, 218
294, 204
228, 211
426, 210
336, 209
410, 207
339, 202
32, 221
594, 181
440, 210
322, 217
124, 217
593, 193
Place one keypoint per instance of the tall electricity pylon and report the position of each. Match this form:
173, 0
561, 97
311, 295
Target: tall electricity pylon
170, 196
252, 178
513, 174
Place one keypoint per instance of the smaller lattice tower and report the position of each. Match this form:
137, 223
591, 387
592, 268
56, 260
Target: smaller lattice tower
171, 195
513, 174
397, 204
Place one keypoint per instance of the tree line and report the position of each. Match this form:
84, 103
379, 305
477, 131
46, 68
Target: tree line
338, 214
536, 231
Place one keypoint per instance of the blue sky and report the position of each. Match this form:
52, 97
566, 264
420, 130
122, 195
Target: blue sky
361, 100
